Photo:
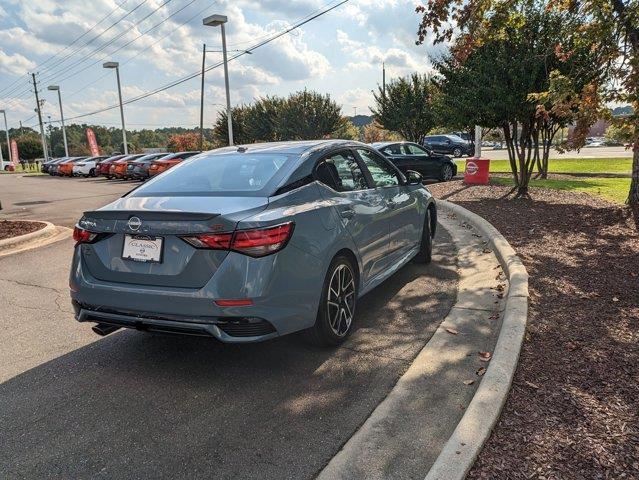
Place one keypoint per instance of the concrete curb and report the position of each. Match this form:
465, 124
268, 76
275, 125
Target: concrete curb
481, 415
48, 230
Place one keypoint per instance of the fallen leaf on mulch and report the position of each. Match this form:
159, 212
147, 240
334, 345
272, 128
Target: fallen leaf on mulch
572, 346
485, 356
452, 330
615, 299
480, 371
469, 382
532, 385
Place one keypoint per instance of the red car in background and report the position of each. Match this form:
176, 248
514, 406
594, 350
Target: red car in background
118, 168
102, 169
163, 164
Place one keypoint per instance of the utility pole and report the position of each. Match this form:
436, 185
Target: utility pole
355, 110
44, 139
202, 99
383, 80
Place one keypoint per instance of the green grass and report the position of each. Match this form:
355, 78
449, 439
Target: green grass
614, 189
570, 165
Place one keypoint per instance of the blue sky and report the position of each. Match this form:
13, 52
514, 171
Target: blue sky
339, 53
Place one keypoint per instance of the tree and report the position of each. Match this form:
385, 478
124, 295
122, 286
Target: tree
184, 142
619, 132
308, 115
346, 131
29, 146
406, 106
517, 66
262, 119
609, 28
373, 132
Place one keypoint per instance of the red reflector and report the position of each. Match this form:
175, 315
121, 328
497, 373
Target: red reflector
83, 236
240, 302
263, 241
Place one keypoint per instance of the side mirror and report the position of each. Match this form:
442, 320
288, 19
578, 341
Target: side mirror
413, 177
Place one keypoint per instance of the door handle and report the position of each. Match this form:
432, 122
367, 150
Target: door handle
348, 213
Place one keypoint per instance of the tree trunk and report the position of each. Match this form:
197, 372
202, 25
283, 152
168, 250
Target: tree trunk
633, 194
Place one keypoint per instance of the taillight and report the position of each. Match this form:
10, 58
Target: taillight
81, 235
257, 242
263, 241
213, 241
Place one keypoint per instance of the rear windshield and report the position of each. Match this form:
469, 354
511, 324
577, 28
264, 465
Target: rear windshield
221, 174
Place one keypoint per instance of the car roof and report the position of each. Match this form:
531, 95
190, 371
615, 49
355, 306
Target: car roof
386, 144
289, 147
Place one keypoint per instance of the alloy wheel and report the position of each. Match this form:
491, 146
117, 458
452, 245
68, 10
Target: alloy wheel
340, 301
447, 173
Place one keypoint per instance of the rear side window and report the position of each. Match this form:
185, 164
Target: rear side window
414, 149
393, 150
222, 174
342, 173
383, 174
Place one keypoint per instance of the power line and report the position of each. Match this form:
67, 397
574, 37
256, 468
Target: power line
129, 42
183, 24
196, 74
51, 76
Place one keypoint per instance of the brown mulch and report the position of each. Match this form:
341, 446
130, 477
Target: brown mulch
11, 228
573, 410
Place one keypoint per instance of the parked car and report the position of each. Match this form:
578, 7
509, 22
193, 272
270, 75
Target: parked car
46, 165
105, 165
411, 156
253, 242
139, 168
65, 169
52, 168
86, 167
118, 168
448, 144
163, 164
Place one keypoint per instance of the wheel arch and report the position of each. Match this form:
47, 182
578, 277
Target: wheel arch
348, 253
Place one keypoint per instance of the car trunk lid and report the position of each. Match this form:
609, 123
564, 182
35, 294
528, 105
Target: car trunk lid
166, 218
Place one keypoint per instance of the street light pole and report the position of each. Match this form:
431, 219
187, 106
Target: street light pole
6, 129
64, 131
202, 99
117, 75
215, 21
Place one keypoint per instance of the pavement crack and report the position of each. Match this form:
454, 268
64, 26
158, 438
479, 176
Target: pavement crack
27, 284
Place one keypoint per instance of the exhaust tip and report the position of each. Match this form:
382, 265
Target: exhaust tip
103, 329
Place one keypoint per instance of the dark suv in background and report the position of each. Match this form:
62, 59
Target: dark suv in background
448, 144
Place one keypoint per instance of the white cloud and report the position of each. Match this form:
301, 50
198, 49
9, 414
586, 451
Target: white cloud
15, 64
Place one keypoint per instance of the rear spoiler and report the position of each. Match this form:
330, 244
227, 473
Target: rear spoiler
150, 215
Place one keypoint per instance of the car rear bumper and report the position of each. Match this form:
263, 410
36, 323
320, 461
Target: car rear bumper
283, 297
224, 329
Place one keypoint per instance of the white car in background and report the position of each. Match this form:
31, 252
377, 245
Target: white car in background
86, 167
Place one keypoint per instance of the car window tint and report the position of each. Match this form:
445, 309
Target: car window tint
217, 174
342, 173
393, 150
415, 149
383, 174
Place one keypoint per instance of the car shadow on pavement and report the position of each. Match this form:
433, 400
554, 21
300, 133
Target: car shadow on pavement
160, 406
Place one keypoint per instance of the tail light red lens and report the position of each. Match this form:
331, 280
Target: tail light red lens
263, 241
83, 236
214, 241
257, 242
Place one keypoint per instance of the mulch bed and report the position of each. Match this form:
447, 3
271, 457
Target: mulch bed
573, 411
11, 228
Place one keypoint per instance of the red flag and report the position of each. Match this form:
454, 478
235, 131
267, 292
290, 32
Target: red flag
93, 144
14, 153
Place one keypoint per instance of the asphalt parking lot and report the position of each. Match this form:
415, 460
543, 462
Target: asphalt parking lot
136, 405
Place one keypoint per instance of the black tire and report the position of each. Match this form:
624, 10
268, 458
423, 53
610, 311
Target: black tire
426, 248
92, 172
446, 173
332, 326
457, 152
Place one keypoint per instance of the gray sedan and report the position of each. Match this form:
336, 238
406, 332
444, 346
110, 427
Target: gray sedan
248, 243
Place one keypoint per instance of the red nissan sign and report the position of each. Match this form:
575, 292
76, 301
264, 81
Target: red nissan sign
14, 153
93, 144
